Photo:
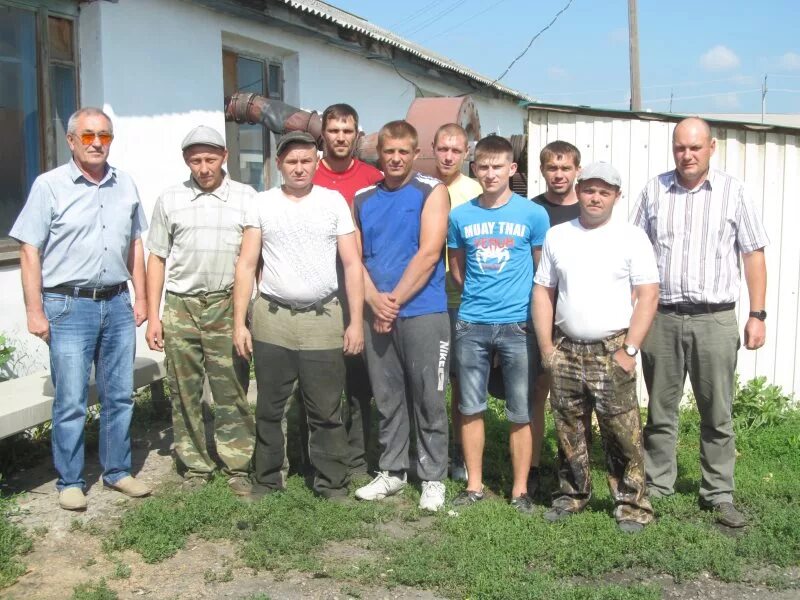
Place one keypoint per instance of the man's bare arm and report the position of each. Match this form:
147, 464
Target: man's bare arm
31, 269
432, 235
243, 289
755, 274
354, 287
139, 280
644, 311
544, 299
156, 268
455, 256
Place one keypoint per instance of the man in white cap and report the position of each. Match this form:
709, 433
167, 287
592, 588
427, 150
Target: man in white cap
198, 225
593, 263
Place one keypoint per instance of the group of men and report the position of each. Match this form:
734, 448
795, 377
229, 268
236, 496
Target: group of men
356, 293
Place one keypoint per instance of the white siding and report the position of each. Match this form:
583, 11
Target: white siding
769, 163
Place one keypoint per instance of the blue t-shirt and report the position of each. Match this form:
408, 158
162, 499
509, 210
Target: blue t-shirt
390, 226
498, 245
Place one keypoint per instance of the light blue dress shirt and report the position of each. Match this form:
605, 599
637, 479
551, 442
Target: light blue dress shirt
83, 229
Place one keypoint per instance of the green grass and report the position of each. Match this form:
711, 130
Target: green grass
490, 551
94, 591
13, 543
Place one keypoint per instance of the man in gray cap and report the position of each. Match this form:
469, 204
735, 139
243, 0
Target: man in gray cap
593, 263
198, 225
297, 329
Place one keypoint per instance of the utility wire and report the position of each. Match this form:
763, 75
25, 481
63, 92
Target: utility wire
410, 18
435, 18
467, 20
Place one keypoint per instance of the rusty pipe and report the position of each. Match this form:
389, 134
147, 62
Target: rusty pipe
275, 115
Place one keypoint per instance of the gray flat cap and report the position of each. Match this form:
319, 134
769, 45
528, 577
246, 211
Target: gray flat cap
601, 170
205, 135
293, 136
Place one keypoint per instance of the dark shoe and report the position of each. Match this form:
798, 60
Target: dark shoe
630, 526
727, 515
240, 485
556, 514
533, 481
468, 498
257, 493
523, 504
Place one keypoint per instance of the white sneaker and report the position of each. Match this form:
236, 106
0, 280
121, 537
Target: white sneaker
383, 485
432, 497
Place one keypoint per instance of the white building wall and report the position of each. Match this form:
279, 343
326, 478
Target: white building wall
156, 67
768, 163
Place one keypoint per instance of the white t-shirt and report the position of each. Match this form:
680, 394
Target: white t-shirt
299, 243
595, 271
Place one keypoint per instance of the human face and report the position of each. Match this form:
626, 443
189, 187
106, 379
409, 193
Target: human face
559, 174
298, 165
449, 153
692, 148
93, 156
493, 172
397, 157
596, 199
340, 137
205, 163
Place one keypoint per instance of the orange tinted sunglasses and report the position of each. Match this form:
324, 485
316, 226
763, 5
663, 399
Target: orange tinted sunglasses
87, 139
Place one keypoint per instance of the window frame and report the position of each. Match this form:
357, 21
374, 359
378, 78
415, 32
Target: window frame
43, 10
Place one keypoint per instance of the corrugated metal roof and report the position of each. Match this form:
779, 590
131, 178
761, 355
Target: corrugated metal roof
356, 23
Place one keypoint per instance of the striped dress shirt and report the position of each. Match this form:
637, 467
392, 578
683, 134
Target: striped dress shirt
698, 235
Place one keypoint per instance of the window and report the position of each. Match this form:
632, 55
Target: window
249, 146
38, 93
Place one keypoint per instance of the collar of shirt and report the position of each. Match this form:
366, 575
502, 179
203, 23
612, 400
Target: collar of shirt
221, 192
75, 173
708, 182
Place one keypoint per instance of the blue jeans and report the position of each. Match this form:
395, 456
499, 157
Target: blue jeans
82, 332
475, 344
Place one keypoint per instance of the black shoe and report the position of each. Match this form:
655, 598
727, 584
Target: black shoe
257, 493
556, 514
523, 504
468, 498
630, 526
727, 515
533, 481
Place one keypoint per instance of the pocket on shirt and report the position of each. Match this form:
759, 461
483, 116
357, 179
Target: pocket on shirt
56, 306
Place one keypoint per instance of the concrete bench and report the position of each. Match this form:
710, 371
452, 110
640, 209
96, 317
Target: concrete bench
28, 401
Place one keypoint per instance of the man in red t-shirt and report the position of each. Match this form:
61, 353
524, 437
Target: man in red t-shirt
339, 171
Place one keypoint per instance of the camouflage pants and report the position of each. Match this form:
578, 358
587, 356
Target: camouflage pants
584, 377
198, 342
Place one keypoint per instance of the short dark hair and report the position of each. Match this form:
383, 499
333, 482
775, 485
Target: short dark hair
558, 149
339, 111
398, 130
493, 144
451, 129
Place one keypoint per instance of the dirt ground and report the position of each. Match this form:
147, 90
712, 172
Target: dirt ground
65, 555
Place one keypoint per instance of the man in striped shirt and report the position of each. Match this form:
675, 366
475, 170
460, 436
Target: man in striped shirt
700, 221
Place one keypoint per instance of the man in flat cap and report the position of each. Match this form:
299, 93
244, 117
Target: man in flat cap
593, 264
297, 330
198, 225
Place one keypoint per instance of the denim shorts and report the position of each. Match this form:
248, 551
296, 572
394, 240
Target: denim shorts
475, 343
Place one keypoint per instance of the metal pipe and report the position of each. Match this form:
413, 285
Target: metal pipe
275, 115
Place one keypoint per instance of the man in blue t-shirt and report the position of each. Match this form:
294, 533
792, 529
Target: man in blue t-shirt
494, 242
401, 224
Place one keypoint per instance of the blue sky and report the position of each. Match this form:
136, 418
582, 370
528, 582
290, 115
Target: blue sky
709, 59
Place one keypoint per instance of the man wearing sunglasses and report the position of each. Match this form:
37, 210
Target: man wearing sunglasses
80, 234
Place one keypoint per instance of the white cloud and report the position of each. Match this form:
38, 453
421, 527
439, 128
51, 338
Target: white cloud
790, 61
719, 58
618, 36
558, 74
728, 102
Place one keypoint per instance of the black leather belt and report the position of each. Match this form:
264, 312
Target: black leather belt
690, 308
318, 306
102, 293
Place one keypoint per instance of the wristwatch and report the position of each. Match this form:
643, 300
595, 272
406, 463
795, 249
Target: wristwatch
758, 314
631, 350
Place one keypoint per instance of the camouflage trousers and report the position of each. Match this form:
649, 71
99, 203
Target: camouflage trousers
198, 343
584, 377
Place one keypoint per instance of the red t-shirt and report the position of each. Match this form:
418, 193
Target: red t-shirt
357, 176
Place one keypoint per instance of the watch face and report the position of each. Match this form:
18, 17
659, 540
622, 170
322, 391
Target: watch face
631, 350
